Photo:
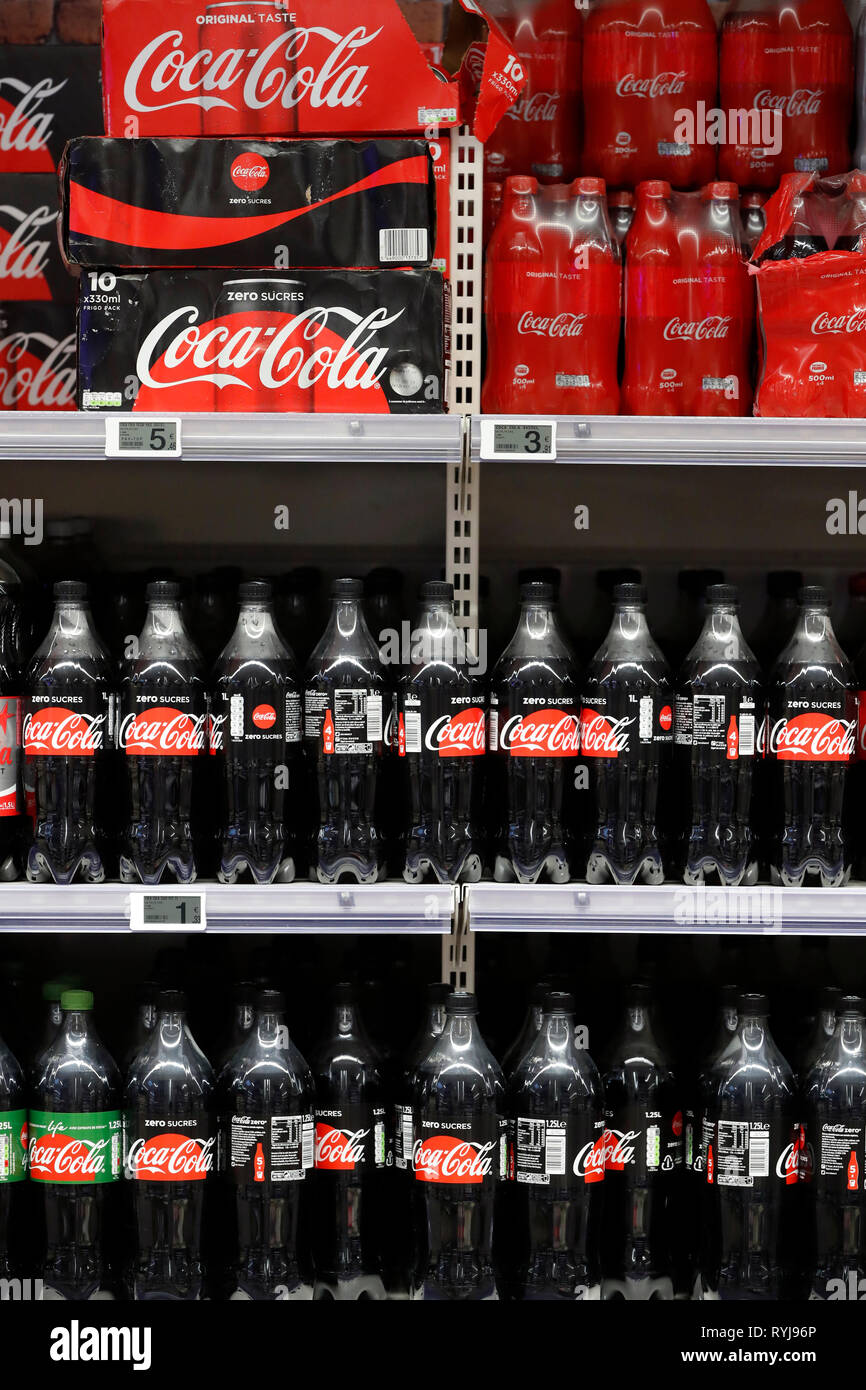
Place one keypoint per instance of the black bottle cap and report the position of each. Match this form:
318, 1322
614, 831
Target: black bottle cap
256, 591
629, 593
852, 1004
438, 993
559, 1002
271, 1001
460, 1002
814, 595
537, 592
723, 593
753, 1004
437, 591
347, 588
163, 591
70, 589
171, 1001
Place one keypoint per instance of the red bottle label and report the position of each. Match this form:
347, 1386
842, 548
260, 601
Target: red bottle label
52, 731
163, 731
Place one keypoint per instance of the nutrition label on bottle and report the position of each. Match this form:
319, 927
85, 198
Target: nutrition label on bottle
278, 1148
841, 1152
742, 1153
349, 721
540, 1150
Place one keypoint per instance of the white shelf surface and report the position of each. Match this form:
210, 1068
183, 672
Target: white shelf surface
293, 908
630, 439
257, 438
671, 909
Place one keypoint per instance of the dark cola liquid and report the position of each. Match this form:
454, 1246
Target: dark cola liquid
835, 1116
534, 741
255, 735
441, 742
811, 743
351, 1118
163, 741
346, 703
13, 1164
643, 1163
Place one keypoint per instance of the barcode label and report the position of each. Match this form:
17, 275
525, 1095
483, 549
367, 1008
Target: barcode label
493, 730
374, 718
747, 735
669, 149
554, 1155
564, 381
408, 1138
308, 1157
860, 378
403, 244
759, 1153
236, 716
412, 723
645, 718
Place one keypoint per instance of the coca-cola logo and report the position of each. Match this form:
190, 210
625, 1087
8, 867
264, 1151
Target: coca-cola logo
304, 64
339, 1149
250, 172
305, 348
37, 372
788, 1162
25, 128
855, 322
802, 102
171, 1158
457, 735
663, 84
666, 717
619, 1148
444, 1158
543, 733
604, 738
557, 326
713, 326
264, 716
590, 1160
813, 737
59, 732
60, 1158
162, 732
23, 252
539, 107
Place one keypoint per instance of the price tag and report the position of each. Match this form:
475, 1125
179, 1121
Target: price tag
135, 438
170, 911
520, 440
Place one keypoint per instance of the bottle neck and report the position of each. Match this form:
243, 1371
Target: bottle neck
270, 1027
754, 1031
437, 638
73, 623
558, 1031
78, 1023
850, 1031
461, 1031
435, 1021
164, 621
256, 621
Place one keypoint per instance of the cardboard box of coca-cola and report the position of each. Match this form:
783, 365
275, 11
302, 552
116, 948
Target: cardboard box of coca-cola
297, 67
37, 356
31, 264
48, 95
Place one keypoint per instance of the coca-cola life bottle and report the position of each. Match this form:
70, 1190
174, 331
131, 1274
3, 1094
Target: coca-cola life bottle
752, 1165
534, 743
163, 737
67, 744
255, 736
719, 712
268, 1151
170, 1139
811, 741
441, 736
75, 1129
626, 738
459, 1157
643, 1159
351, 1118
13, 1163
345, 701
556, 1159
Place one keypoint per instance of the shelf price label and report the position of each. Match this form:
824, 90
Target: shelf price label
518, 439
136, 438
178, 911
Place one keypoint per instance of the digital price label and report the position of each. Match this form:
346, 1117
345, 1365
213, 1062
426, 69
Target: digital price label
512, 439
137, 438
183, 912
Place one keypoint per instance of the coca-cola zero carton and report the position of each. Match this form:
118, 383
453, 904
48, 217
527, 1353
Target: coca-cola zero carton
48, 94
31, 266
312, 341
37, 356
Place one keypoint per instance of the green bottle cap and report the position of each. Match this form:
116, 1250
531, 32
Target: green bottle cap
78, 999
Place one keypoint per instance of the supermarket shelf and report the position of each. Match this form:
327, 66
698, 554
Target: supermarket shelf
723, 442
671, 909
293, 908
256, 438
